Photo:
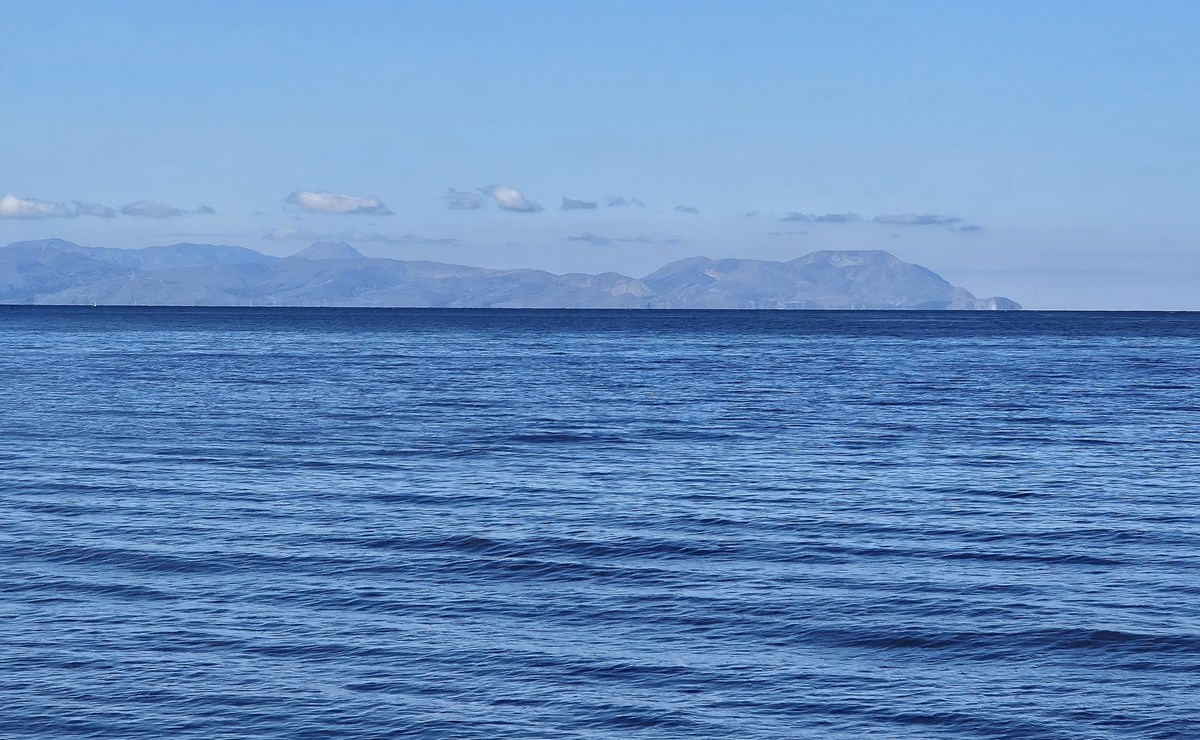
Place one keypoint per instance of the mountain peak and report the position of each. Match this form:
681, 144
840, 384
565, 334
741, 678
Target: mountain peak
329, 251
337, 274
61, 244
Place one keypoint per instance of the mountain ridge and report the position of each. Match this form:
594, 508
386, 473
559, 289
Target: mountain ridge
58, 272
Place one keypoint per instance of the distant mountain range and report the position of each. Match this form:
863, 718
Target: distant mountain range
53, 271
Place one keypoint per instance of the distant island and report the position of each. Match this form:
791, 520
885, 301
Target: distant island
57, 272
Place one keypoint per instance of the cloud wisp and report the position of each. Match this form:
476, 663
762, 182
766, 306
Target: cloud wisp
687, 209
917, 219
603, 241
589, 238
896, 219
821, 218
154, 209
571, 204
620, 201
290, 233
337, 203
96, 210
31, 208
459, 200
510, 199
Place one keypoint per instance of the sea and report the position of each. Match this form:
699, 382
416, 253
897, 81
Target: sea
311, 523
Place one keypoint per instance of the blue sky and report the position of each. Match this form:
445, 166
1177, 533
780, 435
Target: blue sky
1045, 151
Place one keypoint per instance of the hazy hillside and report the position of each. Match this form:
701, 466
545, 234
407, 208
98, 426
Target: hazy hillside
53, 271
859, 279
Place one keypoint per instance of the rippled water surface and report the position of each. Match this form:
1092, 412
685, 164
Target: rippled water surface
305, 522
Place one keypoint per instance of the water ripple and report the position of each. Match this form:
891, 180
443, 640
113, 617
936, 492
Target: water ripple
477, 524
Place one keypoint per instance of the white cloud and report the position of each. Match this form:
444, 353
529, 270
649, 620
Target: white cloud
511, 199
337, 203
571, 204
13, 207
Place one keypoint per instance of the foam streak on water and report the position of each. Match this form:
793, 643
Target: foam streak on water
289, 523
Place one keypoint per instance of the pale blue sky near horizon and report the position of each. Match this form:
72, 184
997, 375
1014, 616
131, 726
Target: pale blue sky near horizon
1068, 133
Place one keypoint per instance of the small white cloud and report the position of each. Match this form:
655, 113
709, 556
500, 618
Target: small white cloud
13, 207
510, 199
337, 203
459, 200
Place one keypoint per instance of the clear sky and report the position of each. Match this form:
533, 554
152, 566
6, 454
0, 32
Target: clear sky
1047, 151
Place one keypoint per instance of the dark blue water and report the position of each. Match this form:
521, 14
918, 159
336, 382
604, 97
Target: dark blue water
313, 523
